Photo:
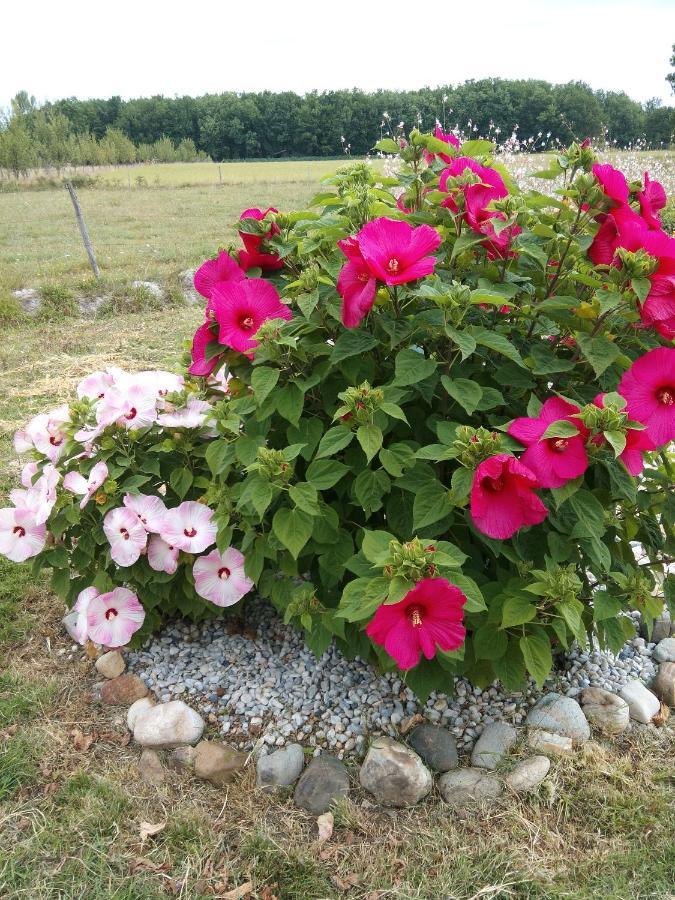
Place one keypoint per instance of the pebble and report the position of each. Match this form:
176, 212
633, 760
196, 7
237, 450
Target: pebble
394, 774
436, 746
642, 704
464, 787
111, 664
281, 768
168, 725
561, 715
665, 650
548, 742
217, 763
324, 781
664, 683
493, 745
528, 774
608, 712
123, 690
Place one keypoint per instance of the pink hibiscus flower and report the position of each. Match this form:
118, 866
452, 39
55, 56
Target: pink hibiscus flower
114, 617
503, 498
241, 308
38, 498
622, 227
162, 557
192, 415
81, 606
215, 271
482, 220
45, 433
126, 535
448, 138
189, 527
252, 257
658, 310
356, 284
129, 406
637, 443
397, 253
20, 535
220, 577
649, 390
429, 618
203, 338
94, 386
652, 199
149, 509
88, 486
557, 460
612, 181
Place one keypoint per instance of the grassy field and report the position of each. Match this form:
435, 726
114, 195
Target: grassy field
71, 810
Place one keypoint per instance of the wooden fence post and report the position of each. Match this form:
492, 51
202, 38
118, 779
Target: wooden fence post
83, 229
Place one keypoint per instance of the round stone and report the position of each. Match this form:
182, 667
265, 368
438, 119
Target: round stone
281, 768
136, 708
436, 746
608, 712
493, 745
642, 704
465, 787
528, 774
324, 782
110, 664
123, 690
217, 763
561, 715
394, 774
664, 683
168, 725
665, 650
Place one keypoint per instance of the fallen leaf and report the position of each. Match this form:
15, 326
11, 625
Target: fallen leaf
410, 722
90, 650
147, 830
662, 716
242, 891
82, 741
140, 864
325, 825
267, 893
349, 881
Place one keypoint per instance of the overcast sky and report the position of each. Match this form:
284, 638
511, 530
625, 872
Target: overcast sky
84, 48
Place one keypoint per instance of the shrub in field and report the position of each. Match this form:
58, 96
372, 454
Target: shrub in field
428, 417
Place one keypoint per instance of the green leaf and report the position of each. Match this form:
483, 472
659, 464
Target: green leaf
467, 393
181, 481
290, 401
590, 515
259, 493
293, 527
461, 483
305, 497
352, 343
536, 650
263, 382
510, 668
598, 351
475, 602
375, 546
324, 473
560, 429
333, 441
477, 147
394, 411
370, 438
517, 610
497, 342
369, 488
489, 643
430, 505
617, 440
464, 341
412, 367
387, 145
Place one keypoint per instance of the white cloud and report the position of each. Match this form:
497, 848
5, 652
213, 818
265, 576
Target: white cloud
86, 49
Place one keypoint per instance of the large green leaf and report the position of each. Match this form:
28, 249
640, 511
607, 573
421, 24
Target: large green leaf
334, 440
431, 504
263, 382
352, 343
324, 473
370, 438
412, 367
536, 650
293, 527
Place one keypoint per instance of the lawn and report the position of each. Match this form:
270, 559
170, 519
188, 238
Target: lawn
70, 817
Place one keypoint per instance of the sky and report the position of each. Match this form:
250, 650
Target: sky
89, 49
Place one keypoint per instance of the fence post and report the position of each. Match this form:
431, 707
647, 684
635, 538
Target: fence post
83, 229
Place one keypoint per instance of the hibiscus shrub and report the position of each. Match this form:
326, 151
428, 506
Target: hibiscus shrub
427, 417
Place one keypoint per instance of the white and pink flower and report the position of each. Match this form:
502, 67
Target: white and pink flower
220, 577
189, 527
162, 557
149, 509
192, 415
113, 618
45, 433
38, 498
20, 535
81, 607
126, 535
87, 487
129, 406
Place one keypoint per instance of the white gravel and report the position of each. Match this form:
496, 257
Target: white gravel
264, 684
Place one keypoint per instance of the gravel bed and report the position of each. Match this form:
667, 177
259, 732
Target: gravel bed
259, 682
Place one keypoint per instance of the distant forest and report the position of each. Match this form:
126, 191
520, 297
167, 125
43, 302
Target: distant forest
263, 125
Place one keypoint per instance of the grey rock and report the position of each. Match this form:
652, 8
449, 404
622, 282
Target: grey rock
135, 710
394, 773
548, 742
664, 683
69, 621
110, 664
324, 781
187, 284
168, 725
643, 705
217, 763
665, 650
607, 711
493, 745
151, 287
150, 767
436, 746
29, 300
464, 787
662, 628
561, 715
528, 774
281, 768
183, 758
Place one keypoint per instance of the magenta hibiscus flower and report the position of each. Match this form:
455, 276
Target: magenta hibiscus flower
241, 307
637, 443
503, 498
397, 253
356, 284
215, 271
114, 617
251, 257
220, 577
448, 138
622, 227
612, 181
203, 337
649, 390
652, 199
555, 460
428, 618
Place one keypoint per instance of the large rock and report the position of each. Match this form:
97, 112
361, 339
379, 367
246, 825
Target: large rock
111, 664
136, 708
643, 705
281, 768
493, 745
150, 767
324, 781
183, 758
436, 746
665, 650
69, 622
187, 284
150, 287
464, 787
608, 712
217, 763
168, 725
664, 683
548, 742
561, 715
662, 628
528, 774
29, 300
123, 690
394, 773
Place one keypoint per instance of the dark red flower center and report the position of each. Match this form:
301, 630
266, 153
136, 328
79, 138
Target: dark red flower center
111, 613
414, 614
133, 412
364, 277
493, 485
224, 573
666, 395
559, 444
19, 530
55, 441
189, 532
247, 323
393, 266
124, 533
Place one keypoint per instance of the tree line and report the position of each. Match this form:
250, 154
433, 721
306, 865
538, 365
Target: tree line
267, 124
